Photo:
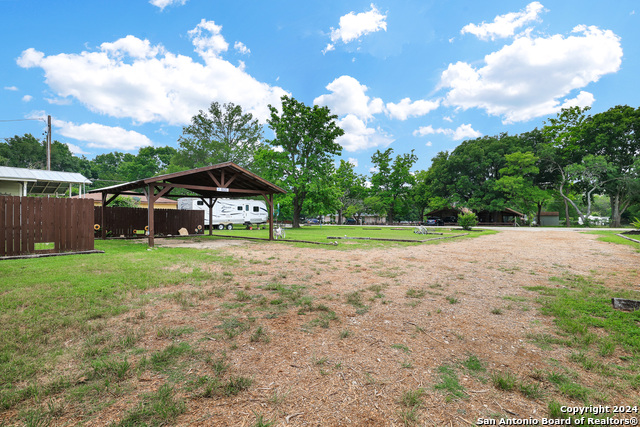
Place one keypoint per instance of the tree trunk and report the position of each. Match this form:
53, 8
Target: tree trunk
297, 210
339, 216
566, 212
539, 214
615, 211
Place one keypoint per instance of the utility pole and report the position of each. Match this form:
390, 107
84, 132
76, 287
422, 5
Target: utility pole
49, 143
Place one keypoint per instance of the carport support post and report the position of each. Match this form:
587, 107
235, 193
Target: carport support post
211, 216
270, 200
150, 198
102, 210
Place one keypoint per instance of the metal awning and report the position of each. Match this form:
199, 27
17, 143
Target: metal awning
42, 181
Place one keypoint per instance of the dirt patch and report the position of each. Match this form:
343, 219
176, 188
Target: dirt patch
403, 316
198, 243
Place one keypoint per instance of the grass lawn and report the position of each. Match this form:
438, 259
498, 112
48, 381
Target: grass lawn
321, 234
610, 236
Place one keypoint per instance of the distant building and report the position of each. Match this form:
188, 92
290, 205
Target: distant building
142, 201
26, 182
551, 219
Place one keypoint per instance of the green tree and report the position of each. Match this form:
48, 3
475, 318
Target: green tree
220, 134
150, 161
351, 189
467, 175
518, 182
24, 152
589, 175
392, 180
615, 135
564, 136
301, 157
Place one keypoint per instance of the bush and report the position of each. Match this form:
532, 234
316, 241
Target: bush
467, 220
636, 223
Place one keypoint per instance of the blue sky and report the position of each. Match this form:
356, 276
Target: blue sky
119, 75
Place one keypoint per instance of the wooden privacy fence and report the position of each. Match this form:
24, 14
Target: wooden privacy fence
34, 225
120, 221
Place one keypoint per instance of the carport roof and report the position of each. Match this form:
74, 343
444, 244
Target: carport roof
224, 180
41, 181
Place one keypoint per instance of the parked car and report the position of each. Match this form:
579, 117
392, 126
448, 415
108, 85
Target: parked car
434, 221
313, 221
350, 221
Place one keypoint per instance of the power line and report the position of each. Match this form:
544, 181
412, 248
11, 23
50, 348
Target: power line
24, 120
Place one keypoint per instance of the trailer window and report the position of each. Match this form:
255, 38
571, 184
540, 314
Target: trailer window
246, 208
256, 209
239, 208
199, 203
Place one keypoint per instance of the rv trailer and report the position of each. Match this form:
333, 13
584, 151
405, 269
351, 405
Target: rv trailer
228, 212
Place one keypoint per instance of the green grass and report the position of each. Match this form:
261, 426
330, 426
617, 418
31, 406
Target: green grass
449, 383
159, 408
320, 233
610, 237
46, 302
581, 304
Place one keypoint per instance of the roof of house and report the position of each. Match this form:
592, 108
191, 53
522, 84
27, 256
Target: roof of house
549, 213
41, 181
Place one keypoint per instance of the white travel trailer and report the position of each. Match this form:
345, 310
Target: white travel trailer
229, 212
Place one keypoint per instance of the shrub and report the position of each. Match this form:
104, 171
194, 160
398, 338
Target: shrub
467, 220
636, 223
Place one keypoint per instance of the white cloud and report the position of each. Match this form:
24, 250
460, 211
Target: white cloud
59, 101
405, 108
464, 131
132, 47
241, 48
429, 144
353, 161
348, 97
355, 25
76, 149
505, 25
207, 39
12, 88
130, 78
164, 3
357, 136
30, 58
329, 48
101, 136
531, 77
27, 98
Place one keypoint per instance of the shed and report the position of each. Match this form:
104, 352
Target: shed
549, 218
22, 182
209, 183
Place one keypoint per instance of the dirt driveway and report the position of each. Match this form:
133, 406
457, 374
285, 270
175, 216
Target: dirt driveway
403, 318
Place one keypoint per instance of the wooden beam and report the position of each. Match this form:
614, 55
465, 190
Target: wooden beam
150, 198
214, 179
212, 189
161, 193
109, 200
228, 183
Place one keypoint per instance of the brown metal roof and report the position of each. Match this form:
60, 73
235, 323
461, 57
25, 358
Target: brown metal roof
224, 180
